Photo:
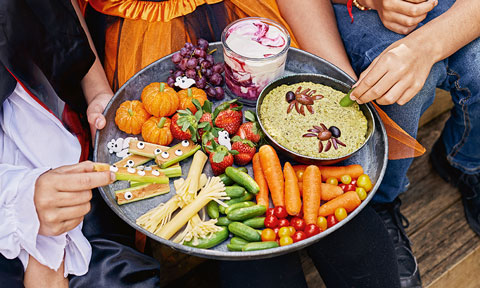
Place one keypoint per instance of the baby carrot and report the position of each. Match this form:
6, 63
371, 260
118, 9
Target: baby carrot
272, 169
330, 191
311, 193
293, 203
262, 196
348, 200
354, 171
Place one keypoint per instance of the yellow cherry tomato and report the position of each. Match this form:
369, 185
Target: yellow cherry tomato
291, 230
362, 194
268, 234
340, 214
332, 180
284, 231
322, 223
346, 179
364, 182
285, 240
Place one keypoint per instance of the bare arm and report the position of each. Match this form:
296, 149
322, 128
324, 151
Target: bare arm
94, 85
314, 25
400, 71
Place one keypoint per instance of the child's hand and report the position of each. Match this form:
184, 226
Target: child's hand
94, 112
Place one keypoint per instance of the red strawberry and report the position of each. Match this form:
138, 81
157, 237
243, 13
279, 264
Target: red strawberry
182, 126
250, 130
206, 117
246, 149
228, 116
220, 158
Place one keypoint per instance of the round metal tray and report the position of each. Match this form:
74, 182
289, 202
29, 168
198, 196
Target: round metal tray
373, 156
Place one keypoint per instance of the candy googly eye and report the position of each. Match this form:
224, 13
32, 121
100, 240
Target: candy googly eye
185, 143
140, 145
130, 163
156, 173
148, 168
141, 173
128, 195
113, 168
178, 152
157, 151
165, 155
131, 170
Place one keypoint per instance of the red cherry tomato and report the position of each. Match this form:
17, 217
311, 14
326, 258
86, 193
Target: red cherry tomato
268, 235
331, 221
343, 186
311, 229
299, 236
283, 222
354, 182
276, 229
269, 212
271, 221
349, 187
280, 212
298, 223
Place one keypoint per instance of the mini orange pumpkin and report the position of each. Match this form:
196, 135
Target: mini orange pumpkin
157, 130
186, 96
160, 99
130, 116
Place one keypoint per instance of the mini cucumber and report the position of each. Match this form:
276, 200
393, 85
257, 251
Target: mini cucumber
245, 213
238, 240
234, 191
209, 242
257, 222
253, 246
243, 179
223, 221
232, 207
212, 210
226, 180
246, 197
243, 231
235, 247
346, 101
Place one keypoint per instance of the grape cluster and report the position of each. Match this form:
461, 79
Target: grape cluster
197, 63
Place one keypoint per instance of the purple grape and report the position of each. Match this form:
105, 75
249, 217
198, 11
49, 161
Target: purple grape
210, 59
189, 46
198, 67
183, 64
208, 73
178, 73
206, 64
220, 93
191, 63
170, 81
216, 79
183, 52
211, 92
176, 58
218, 68
203, 70
202, 44
201, 83
190, 73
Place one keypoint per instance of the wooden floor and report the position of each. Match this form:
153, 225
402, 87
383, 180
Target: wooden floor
447, 250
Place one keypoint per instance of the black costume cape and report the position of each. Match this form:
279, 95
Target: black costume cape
43, 46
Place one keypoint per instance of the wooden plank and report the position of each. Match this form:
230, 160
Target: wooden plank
443, 242
313, 278
463, 274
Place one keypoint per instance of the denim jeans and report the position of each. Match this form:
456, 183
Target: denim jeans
459, 74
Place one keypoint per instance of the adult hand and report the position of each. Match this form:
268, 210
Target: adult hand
396, 75
401, 16
62, 196
94, 112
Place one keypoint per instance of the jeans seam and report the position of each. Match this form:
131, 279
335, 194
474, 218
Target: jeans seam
456, 148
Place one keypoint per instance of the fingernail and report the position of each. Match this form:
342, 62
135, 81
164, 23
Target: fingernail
113, 177
97, 123
353, 97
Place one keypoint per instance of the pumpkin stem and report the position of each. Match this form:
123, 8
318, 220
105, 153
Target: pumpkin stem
189, 92
161, 122
130, 111
162, 86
